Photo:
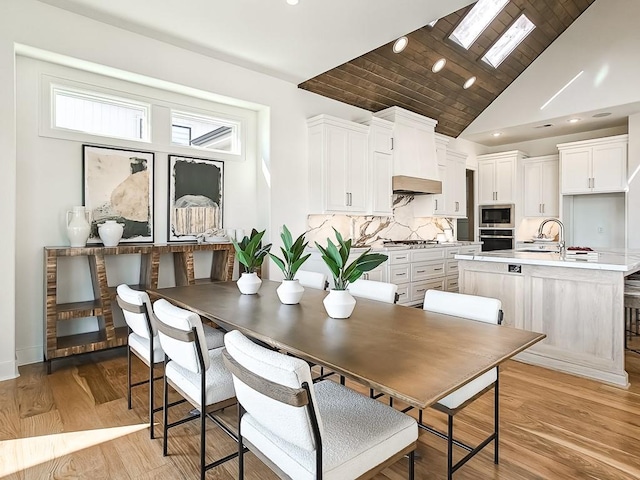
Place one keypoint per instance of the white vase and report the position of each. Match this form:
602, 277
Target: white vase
249, 283
290, 292
339, 304
110, 232
78, 227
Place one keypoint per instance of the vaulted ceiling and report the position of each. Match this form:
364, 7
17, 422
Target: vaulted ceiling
382, 78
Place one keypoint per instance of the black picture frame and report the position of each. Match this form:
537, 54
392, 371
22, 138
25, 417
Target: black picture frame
118, 185
196, 198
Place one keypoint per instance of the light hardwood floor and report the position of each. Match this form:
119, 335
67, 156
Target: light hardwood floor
74, 423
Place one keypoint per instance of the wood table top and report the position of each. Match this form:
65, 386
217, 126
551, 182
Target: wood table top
415, 356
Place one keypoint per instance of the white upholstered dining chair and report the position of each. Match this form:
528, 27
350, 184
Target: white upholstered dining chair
482, 309
312, 279
195, 372
143, 339
303, 430
374, 290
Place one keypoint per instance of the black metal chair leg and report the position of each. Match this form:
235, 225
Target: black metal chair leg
165, 413
151, 402
450, 449
496, 419
240, 446
412, 464
203, 439
129, 377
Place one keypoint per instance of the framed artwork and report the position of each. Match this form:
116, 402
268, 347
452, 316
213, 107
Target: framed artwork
118, 185
195, 198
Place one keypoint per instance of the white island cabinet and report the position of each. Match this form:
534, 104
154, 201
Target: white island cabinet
578, 304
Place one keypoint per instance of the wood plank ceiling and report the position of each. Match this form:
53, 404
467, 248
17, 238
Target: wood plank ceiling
382, 78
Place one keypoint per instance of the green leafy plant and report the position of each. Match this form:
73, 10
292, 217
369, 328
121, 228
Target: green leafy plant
336, 259
292, 252
250, 251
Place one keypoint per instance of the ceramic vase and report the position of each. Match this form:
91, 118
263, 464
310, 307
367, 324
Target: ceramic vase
249, 283
290, 292
110, 232
339, 304
78, 227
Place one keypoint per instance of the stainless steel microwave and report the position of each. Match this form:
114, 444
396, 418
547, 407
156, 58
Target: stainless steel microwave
497, 216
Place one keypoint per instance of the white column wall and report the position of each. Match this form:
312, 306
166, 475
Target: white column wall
633, 196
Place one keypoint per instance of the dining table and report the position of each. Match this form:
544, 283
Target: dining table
413, 355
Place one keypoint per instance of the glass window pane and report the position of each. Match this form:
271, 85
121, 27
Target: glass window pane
509, 41
99, 114
475, 22
200, 131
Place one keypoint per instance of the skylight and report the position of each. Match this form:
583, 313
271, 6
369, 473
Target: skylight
509, 41
476, 21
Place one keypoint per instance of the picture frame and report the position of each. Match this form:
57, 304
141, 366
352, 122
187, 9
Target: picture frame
118, 185
196, 198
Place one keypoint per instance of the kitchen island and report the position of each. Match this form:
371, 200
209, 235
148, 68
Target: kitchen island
577, 303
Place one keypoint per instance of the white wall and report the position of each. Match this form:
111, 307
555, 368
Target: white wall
596, 220
282, 145
633, 172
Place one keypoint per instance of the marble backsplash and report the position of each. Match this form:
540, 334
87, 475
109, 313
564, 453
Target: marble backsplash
373, 230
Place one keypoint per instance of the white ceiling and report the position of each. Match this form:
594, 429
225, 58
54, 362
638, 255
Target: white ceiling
603, 43
294, 43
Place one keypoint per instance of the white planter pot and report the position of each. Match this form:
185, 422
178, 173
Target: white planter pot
290, 292
339, 304
110, 232
249, 283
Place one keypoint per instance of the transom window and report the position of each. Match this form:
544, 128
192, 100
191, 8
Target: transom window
99, 114
200, 131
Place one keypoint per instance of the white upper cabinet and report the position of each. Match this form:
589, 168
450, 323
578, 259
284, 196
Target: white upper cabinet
414, 147
338, 158
380, 167
541, 190
594, 166
497, 177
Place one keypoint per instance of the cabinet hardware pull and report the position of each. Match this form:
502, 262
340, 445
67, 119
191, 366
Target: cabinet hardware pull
420, 290
437, 269
420, 271
401, 294
436, 203
391, 143
543, 208
400, 274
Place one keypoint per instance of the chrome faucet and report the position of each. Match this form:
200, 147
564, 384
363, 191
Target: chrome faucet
561, 244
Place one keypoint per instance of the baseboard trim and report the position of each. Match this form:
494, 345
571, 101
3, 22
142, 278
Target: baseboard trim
612, 378
29, 355
8, 370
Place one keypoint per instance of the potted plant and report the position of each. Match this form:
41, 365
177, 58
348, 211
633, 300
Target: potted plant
339, 303
290, 291
250, 253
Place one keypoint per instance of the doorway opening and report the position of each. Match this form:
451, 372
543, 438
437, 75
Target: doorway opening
466, 226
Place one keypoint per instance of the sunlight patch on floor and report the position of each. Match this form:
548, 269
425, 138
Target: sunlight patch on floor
23, 453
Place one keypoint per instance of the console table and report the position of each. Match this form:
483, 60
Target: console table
108, 335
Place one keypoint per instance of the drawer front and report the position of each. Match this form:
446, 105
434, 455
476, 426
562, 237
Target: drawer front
452, 267
423, 255
470, 250
403, 294
452, 252
399, 257
420, 288
423, 271
399, 274
452, 284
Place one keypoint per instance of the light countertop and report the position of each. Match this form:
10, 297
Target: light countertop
622, 260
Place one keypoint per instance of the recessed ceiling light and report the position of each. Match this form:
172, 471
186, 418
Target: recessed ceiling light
470, 81
574, 120
496, 134
292, 2
439, 65
400, 44
602, 114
